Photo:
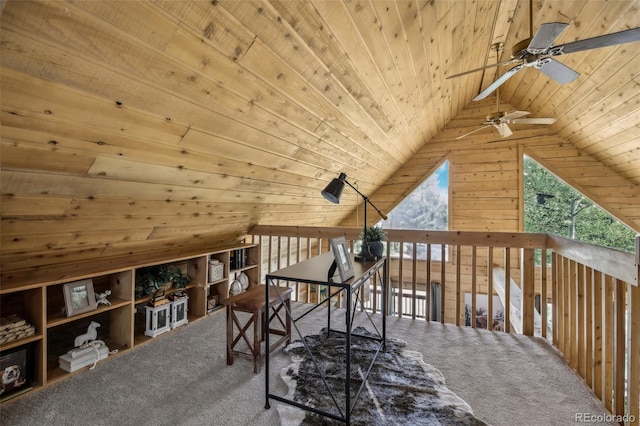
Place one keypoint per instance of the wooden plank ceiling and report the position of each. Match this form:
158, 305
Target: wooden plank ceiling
134, 126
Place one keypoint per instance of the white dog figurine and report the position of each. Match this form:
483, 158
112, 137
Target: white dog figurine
91, 334
101, 298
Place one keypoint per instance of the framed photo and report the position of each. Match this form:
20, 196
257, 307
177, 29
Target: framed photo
342, 258
79, 297
15, 369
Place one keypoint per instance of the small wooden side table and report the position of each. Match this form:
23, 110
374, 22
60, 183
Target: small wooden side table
252, 302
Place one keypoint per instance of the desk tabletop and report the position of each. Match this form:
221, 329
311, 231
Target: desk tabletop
315, 270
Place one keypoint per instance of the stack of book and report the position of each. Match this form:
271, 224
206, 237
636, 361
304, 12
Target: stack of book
77, 358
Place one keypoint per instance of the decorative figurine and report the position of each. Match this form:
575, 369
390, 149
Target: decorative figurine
90, 335
101, 298
87, 352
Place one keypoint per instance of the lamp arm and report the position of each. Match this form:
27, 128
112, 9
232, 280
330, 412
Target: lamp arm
366, 200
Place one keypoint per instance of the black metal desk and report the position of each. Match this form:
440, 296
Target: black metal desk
314, 271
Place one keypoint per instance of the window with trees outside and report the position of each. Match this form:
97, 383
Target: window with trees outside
552, 206
425, 208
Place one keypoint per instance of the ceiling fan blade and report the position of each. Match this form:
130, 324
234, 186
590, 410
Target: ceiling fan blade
473, 131
612, 39
499, 82
558, 71
503, 129
534, 120
513, 115
480, 69
546, 35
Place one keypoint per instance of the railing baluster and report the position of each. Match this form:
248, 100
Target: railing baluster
527, 283
414, 281
634, 349
608, 343
507, 289
400, 291
581, 323
619, 344
490, 288
598, 332
443, 287
474, 289
458, 281
588, 306
543, 293
427, 310
556, 297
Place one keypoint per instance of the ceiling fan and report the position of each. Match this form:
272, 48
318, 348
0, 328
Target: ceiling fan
501, 120
538, 52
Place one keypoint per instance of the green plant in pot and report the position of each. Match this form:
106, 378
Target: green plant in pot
153, 278
375, 236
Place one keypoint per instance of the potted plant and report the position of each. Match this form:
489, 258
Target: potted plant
159, 277
375, 236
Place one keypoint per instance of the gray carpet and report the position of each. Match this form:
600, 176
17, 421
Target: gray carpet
182, 379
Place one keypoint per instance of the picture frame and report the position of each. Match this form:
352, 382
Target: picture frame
342, 258
16, 371
79, 297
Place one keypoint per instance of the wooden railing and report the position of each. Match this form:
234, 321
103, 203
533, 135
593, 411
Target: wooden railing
591, 292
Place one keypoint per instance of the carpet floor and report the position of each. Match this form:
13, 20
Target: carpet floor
181, 378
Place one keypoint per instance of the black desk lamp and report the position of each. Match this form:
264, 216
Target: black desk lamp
332, 193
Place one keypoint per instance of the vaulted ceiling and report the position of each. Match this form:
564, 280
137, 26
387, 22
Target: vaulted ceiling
132, 126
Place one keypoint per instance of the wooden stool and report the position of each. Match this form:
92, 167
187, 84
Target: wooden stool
253, 302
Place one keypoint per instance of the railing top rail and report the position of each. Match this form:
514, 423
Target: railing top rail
464, 238
618, 264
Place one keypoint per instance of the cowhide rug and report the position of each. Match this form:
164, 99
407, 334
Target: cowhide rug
401, 389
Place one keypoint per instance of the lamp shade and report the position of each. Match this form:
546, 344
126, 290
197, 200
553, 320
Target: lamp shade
333, 191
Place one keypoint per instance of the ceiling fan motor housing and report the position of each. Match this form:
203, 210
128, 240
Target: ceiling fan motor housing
495, 117
519, 50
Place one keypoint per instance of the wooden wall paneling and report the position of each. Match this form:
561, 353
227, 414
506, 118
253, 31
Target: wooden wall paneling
220, 29
255, 109
15, 155
413, 32
296, 52
600, 66
350, 53
381, 18
33, 205
430, 30
35, 97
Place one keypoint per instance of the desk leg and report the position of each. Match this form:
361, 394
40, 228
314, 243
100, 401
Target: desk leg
384, 304
229, 336
347, 381
329, 314
287, 303
266, 339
